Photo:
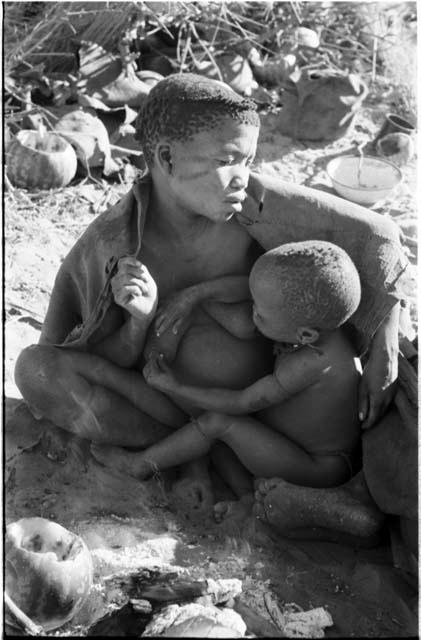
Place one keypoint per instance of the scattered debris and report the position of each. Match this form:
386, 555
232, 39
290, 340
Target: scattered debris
195, 620
294, 622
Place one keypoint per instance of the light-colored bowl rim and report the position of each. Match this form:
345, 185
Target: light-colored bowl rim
66, 144
381, 160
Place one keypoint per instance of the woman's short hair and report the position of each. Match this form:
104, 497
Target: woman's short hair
181, 105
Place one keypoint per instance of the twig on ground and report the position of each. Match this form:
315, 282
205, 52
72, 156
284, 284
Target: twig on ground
12, 304
374, 61
21, 618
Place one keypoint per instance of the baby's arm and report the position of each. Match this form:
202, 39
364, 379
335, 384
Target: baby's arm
303, 369
173, 310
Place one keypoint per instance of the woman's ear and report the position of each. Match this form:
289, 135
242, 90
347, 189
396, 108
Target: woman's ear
163, 157
307, 335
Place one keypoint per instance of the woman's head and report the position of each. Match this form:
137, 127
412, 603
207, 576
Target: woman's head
200, 137
182, 105
302, 288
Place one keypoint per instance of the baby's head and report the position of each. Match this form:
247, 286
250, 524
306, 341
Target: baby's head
182, 105
302, 289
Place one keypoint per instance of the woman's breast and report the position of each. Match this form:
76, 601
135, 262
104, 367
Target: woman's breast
209, 356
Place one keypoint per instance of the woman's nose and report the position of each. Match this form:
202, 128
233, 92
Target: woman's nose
240, 177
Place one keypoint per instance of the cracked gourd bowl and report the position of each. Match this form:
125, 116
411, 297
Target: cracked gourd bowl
48, 570
40, 160
378, 178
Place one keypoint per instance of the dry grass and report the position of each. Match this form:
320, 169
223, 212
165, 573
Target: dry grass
47, 36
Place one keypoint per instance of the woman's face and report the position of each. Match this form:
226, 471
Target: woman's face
210, 172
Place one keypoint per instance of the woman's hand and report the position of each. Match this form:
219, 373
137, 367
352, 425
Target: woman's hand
174, 310
158, 374
134, 289
378, 383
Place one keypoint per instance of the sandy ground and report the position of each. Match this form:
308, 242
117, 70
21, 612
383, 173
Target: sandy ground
127, 524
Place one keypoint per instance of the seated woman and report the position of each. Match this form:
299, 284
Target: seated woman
197, 215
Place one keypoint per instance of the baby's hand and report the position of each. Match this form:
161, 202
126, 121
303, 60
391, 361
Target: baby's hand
158, 374
173, 311
134, 289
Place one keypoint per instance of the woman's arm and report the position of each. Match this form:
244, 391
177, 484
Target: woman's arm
135, 291
124, 347
278, 212
377, 386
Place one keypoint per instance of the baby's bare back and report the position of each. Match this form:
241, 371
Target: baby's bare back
324, 416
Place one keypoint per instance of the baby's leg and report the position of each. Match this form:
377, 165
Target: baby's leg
267, 453
231, 470
232, 513
184, 445
263, 451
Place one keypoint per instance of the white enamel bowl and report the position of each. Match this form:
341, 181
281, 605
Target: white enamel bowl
378, 178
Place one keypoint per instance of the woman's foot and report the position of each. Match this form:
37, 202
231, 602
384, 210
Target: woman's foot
346, 513
129, 462
193, 493
233, 514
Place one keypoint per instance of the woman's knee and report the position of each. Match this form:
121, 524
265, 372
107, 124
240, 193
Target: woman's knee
36, 367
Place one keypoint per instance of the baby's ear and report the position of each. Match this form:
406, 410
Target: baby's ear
163, 157
307, 335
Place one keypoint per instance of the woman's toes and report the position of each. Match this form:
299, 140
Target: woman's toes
220, 511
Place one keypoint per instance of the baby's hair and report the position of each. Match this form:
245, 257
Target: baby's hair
182, 105
318, 283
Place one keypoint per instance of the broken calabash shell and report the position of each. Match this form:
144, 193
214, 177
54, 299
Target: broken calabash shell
48, 571
40, 160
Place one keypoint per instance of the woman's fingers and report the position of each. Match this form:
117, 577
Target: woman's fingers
159, 319
132, 267
165, 320
177, 324
363, 401
134, 285
376, 409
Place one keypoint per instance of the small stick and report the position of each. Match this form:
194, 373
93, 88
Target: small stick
274, 610
360, 163
26, 623
374, 61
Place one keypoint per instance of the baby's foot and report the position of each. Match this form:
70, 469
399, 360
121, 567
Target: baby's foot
343, 513
129, 462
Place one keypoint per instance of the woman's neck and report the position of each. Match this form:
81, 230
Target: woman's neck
172, 221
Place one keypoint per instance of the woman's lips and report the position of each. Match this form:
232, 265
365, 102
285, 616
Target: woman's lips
239, 196
235, 199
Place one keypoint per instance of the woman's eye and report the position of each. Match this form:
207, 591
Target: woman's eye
226, 161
